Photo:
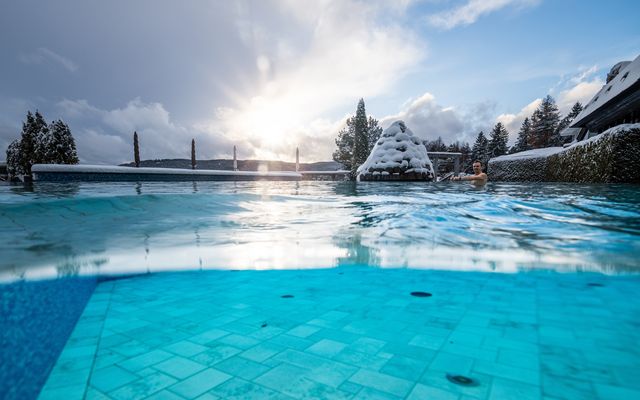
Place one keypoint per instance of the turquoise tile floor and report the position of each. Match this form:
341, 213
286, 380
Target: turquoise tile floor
351, 333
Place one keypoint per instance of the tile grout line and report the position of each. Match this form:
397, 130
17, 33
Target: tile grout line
95, 354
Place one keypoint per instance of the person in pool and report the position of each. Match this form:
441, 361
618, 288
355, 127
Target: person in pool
477, 177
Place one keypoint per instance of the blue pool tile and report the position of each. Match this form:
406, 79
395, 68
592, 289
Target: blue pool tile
239, 389
405, 367
326, 348
451, 363
332, 374
372, 394
507, 389
382, 382
609, 392
185, 348
242, 368
423, 392
64, 392
216, 354
292, 381
303, 331
143, 387
179, 367
165, 395
145, 360
208, 336
239, 341
199, 383
109, 378
261, 352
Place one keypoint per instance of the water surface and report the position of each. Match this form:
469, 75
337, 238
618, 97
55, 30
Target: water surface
104, 228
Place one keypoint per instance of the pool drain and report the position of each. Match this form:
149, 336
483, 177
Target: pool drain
287, 296
461, 380
595, 284
421, 294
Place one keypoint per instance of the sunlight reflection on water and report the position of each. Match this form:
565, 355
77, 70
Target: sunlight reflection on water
66, 229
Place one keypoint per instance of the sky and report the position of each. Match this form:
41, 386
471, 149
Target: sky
272, 75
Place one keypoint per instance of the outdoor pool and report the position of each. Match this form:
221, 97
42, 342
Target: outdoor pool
528, 290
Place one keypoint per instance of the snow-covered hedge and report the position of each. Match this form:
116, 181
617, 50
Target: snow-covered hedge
398, 155
613, 156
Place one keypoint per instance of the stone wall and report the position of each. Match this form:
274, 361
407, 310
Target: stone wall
612, 157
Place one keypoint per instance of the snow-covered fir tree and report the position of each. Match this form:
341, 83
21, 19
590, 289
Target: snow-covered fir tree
14, 159
498, 141
522, 142
480, 149
544, 124
61, 147
40, 143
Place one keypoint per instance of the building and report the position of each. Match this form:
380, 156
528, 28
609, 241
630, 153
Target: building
618, 102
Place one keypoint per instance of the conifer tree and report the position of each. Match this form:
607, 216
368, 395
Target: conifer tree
498, 141
136, 149
566, 121
193, 154
61, 147
522, 142
40, 143
544, 124
480, 149
345, 142
360, 137
373, 133
14, 159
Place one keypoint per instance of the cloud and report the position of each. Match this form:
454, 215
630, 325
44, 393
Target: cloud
430, 120
578, 87
105, 136
582, 92
469, 13
44, 55
513, 122
339, 60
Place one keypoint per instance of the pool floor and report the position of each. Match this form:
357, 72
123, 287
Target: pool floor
354, 333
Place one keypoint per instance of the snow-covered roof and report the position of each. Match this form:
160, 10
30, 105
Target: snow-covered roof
107, 169
397, 147
627, 76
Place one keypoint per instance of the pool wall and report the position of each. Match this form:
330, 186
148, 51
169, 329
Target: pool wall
36, 319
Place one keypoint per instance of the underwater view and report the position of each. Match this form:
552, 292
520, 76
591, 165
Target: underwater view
253, 290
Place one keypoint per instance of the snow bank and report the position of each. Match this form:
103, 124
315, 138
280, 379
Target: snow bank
107, 169
61, 172
612, 156
398, 152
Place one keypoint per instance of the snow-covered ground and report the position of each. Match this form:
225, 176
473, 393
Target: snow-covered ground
546, 152
106, 169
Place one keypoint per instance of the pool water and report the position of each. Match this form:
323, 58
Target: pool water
291, 290
57, 229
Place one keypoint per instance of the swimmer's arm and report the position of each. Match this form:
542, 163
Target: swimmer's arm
481, 177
